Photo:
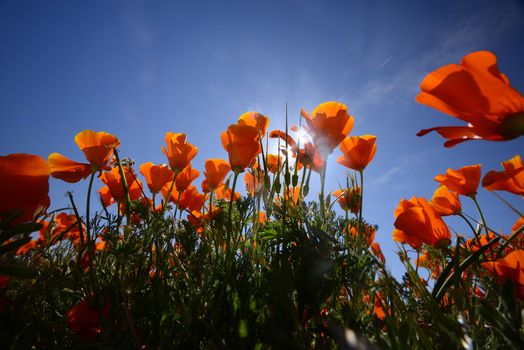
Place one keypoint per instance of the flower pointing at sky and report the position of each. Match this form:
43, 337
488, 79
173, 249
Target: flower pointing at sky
114, 189
24, 186
256, 120
241, 141
156, 176
329, 124
357, 151
477, 93
97, 147
510, 267
464, 181
445, 202
179, 152
416, 223
215, 173
308, 156
511, 179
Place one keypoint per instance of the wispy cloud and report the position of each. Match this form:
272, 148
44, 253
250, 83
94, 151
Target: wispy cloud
476, 31
407, 162
386, 61
137, 23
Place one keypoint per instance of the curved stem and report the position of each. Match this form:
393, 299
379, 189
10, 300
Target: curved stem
169, 193
88, 203
474, 197
322, 185
124, 186
508, 204
470, 226
230, 222
361, 172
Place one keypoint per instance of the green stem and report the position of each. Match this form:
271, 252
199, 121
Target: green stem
230, 221
169, 193
322, 185
508, 204
88, 204
474, 197
124, 186
361, 172
470, 226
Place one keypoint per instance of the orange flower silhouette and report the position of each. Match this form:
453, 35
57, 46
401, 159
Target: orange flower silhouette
464, 181
186, 177
216, 171
445, 202
179, 152
511, 179
510, 267
273, 162
256, 120
477, 93
84, 319
416, 223
348, 199
253, 186
308, 156
114, 190
97, 147
242, 145
24, 186
357, 151
329, 124
156, 176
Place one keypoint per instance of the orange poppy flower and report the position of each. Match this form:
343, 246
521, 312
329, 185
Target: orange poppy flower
375, 249
97, 147
357, 151
464, 181
477, 93
308, 156
474, 244
253, 186
216, 171
242, 145
68, 224
445, 202
273, 162
256, 120
349, 199
416, 223
179, 152
329, 124
368, 233
24, 186
186, 177
191, 199
225, 193
175, 194
84, 319
511, 179
425, 260
509, 267
114, 190
22, 250
291, 195
156, 175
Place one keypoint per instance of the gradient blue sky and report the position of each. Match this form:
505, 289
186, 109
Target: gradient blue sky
138, 69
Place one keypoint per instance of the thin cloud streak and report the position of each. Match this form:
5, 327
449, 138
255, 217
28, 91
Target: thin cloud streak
476, 32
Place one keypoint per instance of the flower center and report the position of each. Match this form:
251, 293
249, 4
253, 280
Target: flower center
512, 126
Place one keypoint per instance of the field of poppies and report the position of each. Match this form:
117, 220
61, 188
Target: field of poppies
154, 260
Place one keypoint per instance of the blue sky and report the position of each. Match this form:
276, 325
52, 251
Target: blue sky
138, 69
